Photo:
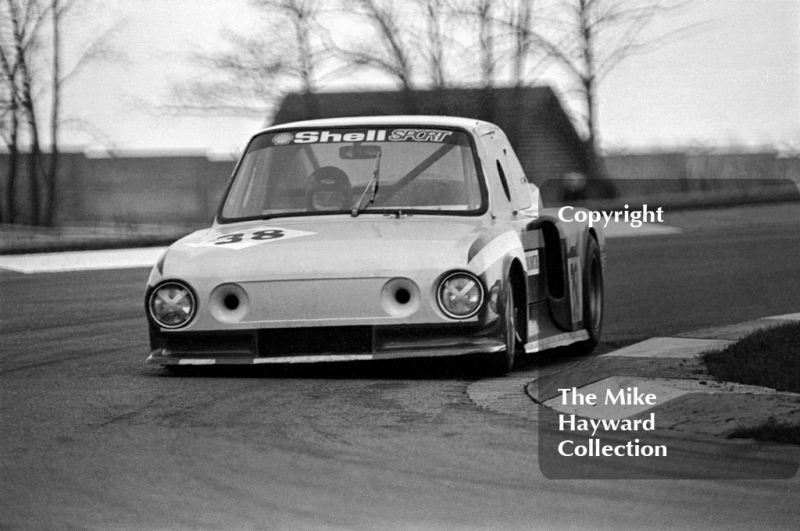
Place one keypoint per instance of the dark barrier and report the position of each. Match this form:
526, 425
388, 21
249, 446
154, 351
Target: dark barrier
674, 194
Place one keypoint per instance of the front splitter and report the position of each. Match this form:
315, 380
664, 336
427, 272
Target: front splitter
327, 358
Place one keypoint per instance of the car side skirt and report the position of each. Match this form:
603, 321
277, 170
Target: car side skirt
560, 340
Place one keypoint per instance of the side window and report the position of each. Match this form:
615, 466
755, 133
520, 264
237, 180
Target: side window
517, 180
503, 181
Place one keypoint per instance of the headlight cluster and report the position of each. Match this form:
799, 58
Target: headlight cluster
172, 305
460, 295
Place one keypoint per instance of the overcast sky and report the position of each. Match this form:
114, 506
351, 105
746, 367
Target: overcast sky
737, 82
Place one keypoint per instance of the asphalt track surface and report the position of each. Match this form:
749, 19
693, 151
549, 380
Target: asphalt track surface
92, 438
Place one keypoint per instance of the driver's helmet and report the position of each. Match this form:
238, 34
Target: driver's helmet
329, 189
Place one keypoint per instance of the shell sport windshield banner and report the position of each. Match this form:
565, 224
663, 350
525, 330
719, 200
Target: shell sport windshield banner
324, 136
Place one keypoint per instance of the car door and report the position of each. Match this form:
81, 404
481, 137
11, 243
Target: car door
525, 209
520, 210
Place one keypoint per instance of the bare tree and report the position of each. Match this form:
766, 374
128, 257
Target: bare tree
484, 39
20, 33
483, 15
479, 27
32, 68
55, 112
294, 50
415, 43
516, 19
517, 51
501, 34
9, 111
591, 37
435, 15
387, 45
100, 48
418, 42
9, 131
256, 70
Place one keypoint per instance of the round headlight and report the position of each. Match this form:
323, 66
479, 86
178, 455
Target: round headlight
172, 305
460, 295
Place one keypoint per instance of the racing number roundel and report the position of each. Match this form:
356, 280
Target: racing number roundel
240, 240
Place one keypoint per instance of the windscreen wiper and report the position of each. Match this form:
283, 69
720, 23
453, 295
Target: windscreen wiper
373, 183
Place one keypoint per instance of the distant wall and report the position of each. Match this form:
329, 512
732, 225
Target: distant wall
185, 190
677, 172
169, 189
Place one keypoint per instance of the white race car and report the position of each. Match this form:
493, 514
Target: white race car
377, 238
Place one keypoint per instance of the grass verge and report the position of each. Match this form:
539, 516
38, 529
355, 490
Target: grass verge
772, 430
769, 357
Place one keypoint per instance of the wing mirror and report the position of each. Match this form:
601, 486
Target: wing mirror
358, 151
536, 202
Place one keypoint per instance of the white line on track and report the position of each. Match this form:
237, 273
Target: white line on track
669, 347
624, 230
787, 317
81, 260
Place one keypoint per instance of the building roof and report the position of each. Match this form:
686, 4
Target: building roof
507, 107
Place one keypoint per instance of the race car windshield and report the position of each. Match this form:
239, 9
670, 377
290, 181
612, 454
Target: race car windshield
327, 171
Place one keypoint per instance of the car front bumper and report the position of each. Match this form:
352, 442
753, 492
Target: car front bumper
322, 344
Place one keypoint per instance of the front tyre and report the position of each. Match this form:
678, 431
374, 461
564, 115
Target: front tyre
502, 362
593, 300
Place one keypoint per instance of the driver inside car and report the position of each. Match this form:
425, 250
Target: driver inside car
329, 189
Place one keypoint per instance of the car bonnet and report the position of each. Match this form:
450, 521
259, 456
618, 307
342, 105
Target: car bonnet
330, 247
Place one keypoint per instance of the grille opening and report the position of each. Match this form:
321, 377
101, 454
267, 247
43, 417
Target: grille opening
231, 301
323, 340
427, 336
211, 344
402, 296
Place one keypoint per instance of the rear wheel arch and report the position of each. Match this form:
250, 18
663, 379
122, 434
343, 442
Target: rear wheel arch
554, 258
592, 233
593, 298
518, 281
